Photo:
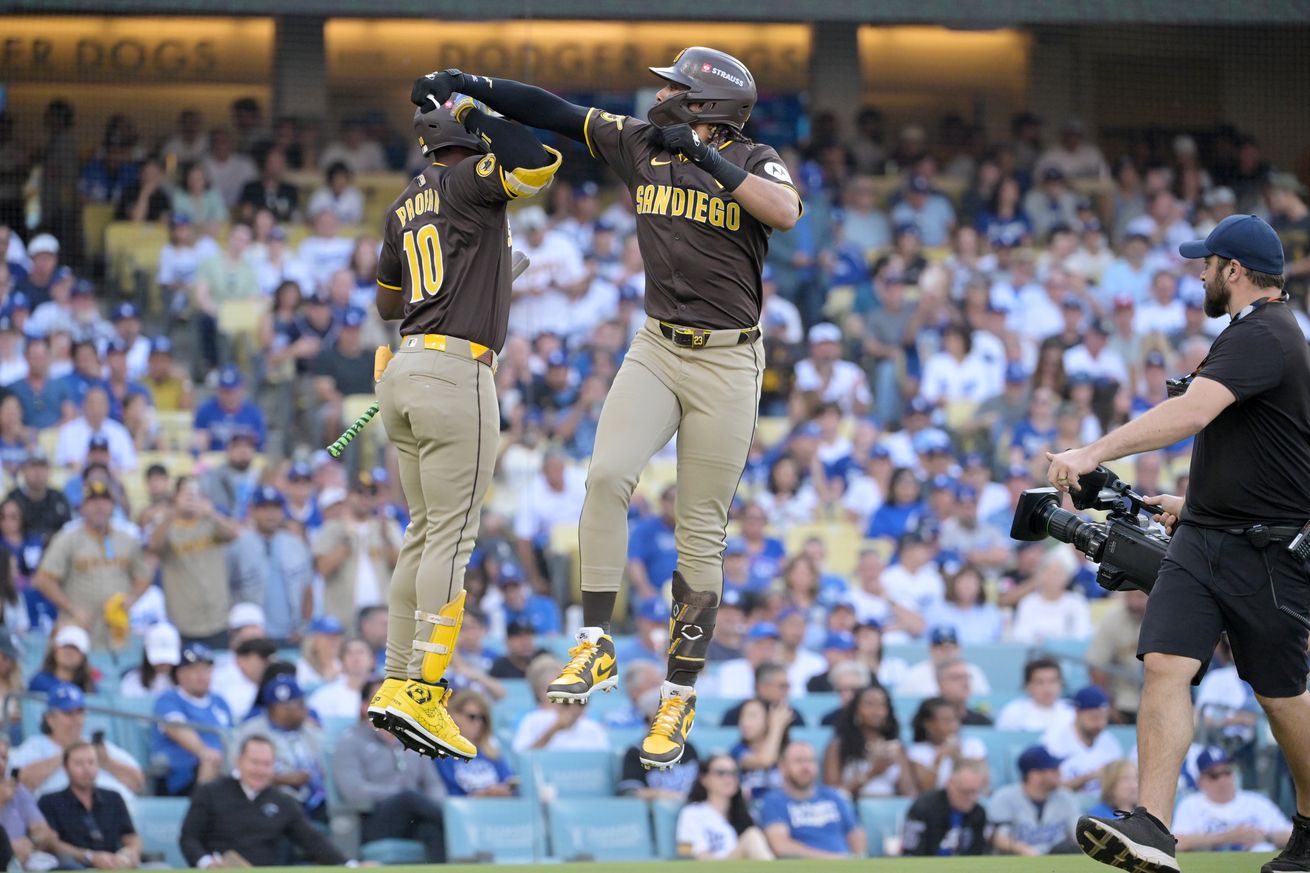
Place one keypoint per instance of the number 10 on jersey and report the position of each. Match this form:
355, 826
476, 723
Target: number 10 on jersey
426, 271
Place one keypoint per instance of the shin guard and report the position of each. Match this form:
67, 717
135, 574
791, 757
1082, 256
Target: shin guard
441, 631
691, 627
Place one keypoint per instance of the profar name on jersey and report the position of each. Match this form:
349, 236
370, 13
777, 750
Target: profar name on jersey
687, 203
424, 200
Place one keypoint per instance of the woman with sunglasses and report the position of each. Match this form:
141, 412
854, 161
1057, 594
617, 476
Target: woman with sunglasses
488, 774
716, 823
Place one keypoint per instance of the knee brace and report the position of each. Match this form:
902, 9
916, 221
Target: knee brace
691, 626
443, 631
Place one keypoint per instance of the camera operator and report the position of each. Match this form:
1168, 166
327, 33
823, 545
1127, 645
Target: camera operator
1228, 567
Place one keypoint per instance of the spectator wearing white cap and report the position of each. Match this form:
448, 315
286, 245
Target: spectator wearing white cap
555, 273
162, 652
65, 661
823, 377
44, 252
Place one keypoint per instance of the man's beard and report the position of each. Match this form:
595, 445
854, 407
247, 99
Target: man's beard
1217, 296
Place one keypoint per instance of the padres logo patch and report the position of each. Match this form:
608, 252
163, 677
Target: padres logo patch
487, 165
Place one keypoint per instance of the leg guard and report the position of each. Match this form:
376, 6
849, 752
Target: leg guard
434, 644
691, 628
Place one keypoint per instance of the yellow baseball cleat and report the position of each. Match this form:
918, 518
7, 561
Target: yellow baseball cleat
377, 707
419, 720
667, 740
592, 667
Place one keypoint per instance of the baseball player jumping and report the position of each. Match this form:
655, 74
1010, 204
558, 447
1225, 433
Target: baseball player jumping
445, 272
706, 199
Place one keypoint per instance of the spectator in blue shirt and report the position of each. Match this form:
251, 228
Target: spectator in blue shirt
525, 607
652, 549
228, 411
487, 775
804, 819
119, 386
766, 553
902, 509
65, 661
40, 395
194, 757
85, 376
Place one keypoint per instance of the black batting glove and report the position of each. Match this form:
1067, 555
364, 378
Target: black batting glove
433, 90
681, 139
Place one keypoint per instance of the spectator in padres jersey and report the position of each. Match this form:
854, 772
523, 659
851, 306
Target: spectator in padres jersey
445, 272
1035, 816
354, 552
695, 367
90, 561
189, 541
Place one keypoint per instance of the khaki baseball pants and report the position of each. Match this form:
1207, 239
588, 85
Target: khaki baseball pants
440, 412
710, 397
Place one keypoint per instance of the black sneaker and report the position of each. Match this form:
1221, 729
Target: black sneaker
1296, 855
1134, 841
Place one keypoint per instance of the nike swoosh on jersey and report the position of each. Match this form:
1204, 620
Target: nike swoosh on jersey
655, 162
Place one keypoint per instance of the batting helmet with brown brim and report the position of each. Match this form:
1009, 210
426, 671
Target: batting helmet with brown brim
438, 129
718, 82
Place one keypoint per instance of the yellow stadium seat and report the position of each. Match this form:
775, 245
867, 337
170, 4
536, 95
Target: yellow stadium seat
238, 317
176, 429
96, 217
772, 429
176, 463
657, 476
841, 539
47, 439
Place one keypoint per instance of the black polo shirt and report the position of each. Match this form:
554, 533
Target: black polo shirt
100, 828
1252, 463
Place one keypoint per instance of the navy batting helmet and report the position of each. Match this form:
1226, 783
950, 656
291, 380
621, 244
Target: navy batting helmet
438, 129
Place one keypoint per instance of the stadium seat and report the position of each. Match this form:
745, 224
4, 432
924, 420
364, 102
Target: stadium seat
1003, 750
816, 736
813, 707
882, 818
616, 829
498, 830
333, 728
1001, 663
664, 818
393, 852
159, 822
709, 739
569, 774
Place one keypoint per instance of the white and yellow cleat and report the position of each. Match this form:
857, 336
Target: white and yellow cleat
592, 667
667, 740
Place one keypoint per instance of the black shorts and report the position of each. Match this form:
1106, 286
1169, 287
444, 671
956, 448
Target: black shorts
1212, 581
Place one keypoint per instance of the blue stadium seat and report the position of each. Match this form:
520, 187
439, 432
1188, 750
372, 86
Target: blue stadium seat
616, 829
499, 830
1001, 663
664, 816
815, 736
1003, 750
333, 728
159, 822
570, 774
710, 710
1126, 734
394, 852
813, 707
883, 817
709, 739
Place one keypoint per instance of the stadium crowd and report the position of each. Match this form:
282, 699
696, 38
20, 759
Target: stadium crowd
946, 311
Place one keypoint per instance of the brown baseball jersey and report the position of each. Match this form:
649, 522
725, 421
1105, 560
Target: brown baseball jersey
446, 247
704, 253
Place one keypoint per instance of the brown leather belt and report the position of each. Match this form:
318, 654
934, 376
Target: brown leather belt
439, 342
695, 338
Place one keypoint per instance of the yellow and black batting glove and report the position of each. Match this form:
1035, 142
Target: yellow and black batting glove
381, 357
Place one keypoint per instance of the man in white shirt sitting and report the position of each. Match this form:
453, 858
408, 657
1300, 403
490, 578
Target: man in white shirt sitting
551, 726
95, 424
1041, 708
1084, 746
914, 580
943, 645
1222, 818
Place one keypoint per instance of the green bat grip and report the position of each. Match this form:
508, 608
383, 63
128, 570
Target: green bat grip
339, 446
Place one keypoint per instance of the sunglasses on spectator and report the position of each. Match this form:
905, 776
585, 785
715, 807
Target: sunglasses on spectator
1218, 773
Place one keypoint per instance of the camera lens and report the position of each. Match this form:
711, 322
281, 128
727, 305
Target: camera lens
1067, 527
